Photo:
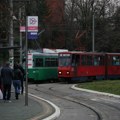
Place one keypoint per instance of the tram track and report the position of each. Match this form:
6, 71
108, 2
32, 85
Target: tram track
103, 110
95, 111
103, 107
90, 103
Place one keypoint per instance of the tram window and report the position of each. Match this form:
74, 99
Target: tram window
89, 60
75, 60
83, 60
64, 61
51, 62
96, 60
101, 60
116, 60
38, 62
47, 62
54, 62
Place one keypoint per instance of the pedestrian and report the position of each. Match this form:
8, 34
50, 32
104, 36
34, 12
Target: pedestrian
6, 77
0, 78
1, 94
17, 80
22, 79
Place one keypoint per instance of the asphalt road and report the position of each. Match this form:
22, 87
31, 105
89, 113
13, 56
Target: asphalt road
78, 105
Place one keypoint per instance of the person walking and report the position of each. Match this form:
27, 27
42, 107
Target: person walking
17, 80
1, 94
22, 79
0, 78
6, 78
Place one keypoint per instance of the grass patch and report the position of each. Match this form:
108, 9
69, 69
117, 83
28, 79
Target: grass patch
108, 86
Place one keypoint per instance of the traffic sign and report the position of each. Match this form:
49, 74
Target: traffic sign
32, 23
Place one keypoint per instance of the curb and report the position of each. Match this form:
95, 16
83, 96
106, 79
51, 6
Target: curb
55, 115
92, 91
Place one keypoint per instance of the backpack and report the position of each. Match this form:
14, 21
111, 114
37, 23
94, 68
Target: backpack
18, 74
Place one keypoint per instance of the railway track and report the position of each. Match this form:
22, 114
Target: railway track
102, 110
91, 104
51, 92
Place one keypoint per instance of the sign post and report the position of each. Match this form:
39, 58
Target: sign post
26, 66
31, 26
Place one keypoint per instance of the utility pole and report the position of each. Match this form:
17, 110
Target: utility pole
93, 33
20, 36
26, 64
71, 26
11, 42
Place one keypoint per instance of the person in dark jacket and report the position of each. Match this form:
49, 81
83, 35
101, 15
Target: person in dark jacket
17, 80
6, 76
0, 78
22, 79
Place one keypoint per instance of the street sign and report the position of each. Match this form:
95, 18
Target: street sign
22, 28
32, 35
32, 24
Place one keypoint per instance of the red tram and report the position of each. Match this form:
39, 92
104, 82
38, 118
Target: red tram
84, 66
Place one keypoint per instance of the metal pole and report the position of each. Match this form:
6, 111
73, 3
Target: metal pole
26, 64
93, 34
20, 37
11, 42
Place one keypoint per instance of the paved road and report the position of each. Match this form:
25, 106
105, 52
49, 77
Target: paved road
37, 109
78, 105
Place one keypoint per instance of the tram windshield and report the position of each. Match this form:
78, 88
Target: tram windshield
64, 60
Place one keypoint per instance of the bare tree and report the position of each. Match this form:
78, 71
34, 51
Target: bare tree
79, 13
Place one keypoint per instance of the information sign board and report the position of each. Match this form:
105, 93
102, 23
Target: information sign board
32, 35
32, 24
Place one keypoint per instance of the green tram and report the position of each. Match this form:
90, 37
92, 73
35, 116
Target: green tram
42, 66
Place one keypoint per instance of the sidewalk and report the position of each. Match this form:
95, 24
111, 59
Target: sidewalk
16, 109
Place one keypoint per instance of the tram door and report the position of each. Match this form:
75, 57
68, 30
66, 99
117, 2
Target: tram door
75, 63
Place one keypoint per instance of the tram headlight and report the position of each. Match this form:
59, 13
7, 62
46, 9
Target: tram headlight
60, 73
68, 72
